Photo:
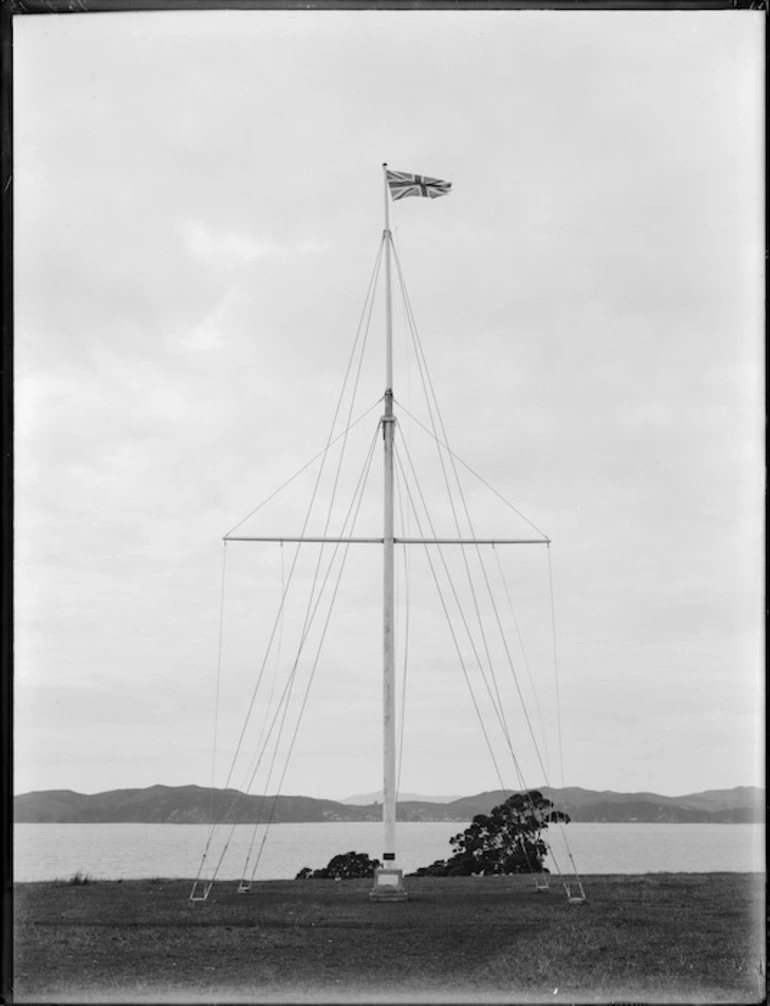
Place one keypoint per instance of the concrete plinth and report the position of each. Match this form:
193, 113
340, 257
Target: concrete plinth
388, 885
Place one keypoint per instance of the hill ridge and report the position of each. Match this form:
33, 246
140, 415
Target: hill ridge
159, 804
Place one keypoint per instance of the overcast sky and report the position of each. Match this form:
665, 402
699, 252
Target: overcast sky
198, 210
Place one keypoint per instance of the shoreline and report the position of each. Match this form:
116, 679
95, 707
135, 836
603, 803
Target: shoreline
400, 823
553, 877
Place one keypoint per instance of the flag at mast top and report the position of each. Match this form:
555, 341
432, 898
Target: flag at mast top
403, 184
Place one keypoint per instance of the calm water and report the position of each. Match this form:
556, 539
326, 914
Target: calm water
114, 851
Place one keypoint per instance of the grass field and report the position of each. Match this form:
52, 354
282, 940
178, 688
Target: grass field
656, 938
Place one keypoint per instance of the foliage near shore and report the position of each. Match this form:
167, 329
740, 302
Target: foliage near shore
507, 840
656, 938
346, 866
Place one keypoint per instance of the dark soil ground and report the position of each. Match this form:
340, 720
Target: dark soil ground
656, 938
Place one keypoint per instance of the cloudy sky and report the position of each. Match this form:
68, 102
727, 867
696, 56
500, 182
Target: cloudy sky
198, 212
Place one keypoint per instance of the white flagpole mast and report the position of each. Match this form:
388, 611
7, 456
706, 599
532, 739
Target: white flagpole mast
388, 883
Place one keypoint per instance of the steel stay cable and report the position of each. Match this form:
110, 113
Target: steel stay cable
500, 716
429, 393
254, 764
319, 559
282, 704
421, 356
279, 646
498, 706
335, 486
358, 491
473, 472
422, 367
309, 510
368, 301
284, 699
422, 364
338, 582
428, 390
318, 651
304, 468
216, 714
324, 453
338, 471
405, 552
479, 716
312, 674
525, 658
402, 723
501, 719
545, 771
369, 294
425, 373
558, 715
449, 619
555, 666
418, 343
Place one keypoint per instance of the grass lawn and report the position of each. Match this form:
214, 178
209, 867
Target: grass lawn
668, 938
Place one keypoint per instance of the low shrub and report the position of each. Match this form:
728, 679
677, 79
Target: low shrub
346, 866
79, 879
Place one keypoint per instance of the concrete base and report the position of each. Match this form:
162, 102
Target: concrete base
388, 885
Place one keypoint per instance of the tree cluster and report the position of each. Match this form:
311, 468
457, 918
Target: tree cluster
345, 866
507, 840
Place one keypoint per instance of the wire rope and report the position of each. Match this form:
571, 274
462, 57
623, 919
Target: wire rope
216, 718
428, 392
419, 352
430, 395
359, 493
452, 632
335, 486
555, 666
282, 706
304, 468
310, 506
472, 471
498, 707
432, 402
365, 313
495, 699
500, 717
506, 734
404, 554
525, 658
276, 668
402, 719
317, 592
458, 650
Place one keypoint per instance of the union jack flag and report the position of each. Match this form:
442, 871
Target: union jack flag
403, 185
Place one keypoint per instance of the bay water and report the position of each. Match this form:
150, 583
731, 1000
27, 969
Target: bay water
134, 851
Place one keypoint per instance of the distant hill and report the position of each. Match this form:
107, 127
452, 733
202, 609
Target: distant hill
200, 805
364, 799
742, 805
179, 805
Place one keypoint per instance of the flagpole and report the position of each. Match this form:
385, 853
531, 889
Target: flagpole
388, 883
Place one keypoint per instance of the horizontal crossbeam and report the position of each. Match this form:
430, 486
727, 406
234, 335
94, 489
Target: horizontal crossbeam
398, 541
472, 541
